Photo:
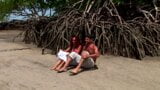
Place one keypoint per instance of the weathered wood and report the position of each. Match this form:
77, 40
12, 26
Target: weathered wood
134, 38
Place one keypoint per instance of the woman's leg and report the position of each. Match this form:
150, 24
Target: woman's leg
71, 56
64, 68
60, 65
56, 65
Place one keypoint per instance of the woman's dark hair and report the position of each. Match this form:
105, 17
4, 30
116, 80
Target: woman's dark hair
77, 43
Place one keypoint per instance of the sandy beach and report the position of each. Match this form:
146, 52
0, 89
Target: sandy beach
23, 67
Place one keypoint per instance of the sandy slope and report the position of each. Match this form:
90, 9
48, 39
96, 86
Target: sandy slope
22, 67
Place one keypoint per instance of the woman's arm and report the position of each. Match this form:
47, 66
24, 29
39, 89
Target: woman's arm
68, 49
79, 49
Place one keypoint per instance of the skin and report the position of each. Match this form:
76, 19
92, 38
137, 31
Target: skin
93, 53
62, 65
64, 68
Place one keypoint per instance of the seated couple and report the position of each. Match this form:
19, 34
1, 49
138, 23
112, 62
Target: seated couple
77, 55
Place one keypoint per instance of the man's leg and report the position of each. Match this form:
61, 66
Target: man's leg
78, 68
88, 63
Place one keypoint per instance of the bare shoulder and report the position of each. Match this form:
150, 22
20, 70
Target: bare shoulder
92, 45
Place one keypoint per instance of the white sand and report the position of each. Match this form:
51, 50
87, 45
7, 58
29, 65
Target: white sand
28, 69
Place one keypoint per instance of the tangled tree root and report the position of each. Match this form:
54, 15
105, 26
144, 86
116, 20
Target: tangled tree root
134, 38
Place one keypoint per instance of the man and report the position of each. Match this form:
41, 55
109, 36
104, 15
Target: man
89, 55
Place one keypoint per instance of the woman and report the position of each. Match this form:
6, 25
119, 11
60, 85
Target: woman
63, 55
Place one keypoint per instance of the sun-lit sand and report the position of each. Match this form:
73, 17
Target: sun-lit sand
23, 67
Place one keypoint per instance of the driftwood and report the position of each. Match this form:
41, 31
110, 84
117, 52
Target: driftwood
130, 38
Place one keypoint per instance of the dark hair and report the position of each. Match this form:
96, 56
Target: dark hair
90, 36
77, 44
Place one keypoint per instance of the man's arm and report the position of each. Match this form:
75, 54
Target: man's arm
96, 54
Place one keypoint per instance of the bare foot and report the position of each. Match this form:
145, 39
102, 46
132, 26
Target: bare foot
62, 70
75, 71
52, 68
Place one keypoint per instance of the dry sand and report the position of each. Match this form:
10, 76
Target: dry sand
23, 67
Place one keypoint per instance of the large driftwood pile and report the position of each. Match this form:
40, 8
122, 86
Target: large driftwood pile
134, 38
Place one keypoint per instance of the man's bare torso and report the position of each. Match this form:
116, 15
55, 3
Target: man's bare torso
91, 49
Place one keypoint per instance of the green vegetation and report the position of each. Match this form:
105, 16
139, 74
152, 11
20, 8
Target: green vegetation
28, 8
31, 8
